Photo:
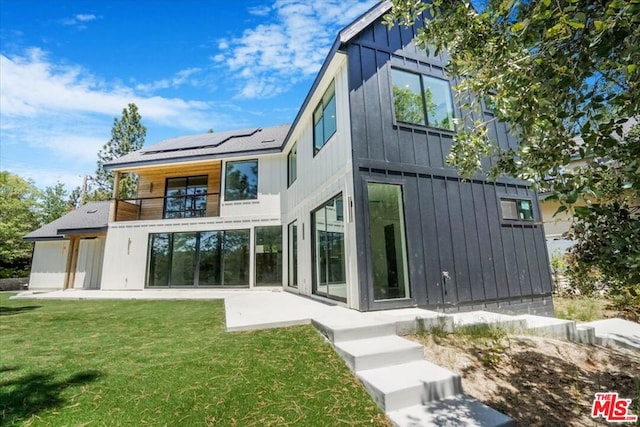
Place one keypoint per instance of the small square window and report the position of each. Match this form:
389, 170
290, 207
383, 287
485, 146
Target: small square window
241, 180
517, 209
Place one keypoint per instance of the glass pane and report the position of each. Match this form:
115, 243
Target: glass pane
158, 260
292, 165
241, 180
183, 259
268, 254
388, 241
329, 256
525, 210
210, 259
319, 250
293, 254
329, 119
179, 183
407, 97
509, 209
437, 93
318, 136
235, 265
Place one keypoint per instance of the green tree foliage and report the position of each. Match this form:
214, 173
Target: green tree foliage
19, 215
565, 77
127, 135
54, 203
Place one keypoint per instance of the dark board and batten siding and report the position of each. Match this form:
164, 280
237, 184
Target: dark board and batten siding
452, 225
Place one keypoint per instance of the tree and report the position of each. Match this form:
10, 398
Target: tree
18, 216
564, 76
54, 203
127, 135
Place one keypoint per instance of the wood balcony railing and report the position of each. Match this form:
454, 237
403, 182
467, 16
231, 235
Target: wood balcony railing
151, 208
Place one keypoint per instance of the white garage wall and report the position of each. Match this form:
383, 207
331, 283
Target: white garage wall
48, 265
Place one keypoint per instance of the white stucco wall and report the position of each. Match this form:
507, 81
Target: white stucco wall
48, 265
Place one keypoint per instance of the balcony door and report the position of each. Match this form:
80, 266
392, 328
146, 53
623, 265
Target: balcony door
186, 197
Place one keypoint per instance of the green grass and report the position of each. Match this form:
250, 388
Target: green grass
583, 308
167, 363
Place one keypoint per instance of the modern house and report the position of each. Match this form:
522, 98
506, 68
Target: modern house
352, 203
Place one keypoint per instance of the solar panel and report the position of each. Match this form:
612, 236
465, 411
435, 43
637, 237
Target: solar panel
198, 141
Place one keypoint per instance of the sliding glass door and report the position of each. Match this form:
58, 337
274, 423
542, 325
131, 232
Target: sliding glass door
328, 250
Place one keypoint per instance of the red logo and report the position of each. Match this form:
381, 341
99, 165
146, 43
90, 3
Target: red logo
612, 408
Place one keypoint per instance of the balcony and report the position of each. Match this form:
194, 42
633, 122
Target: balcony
167, 207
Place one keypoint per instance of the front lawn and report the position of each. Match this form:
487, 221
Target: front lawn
166, 363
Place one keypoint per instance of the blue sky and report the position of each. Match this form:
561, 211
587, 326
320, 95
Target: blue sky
68, 68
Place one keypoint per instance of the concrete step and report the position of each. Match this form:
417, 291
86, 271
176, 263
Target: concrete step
340, 331
459, 410
378, 352
511, 324
408, 384
550, 327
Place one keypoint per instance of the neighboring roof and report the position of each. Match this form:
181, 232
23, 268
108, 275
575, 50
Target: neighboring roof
90, 218
206, 146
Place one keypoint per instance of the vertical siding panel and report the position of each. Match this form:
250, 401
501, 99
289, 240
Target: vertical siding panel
445, 241
356, 99
433, 145
372, 103
528, 235
420, 150
485, 253
498, 246
469, 209
459, 242
414, 234
430, 241
524, 276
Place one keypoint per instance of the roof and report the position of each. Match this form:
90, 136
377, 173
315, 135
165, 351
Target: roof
90, 218
206, 146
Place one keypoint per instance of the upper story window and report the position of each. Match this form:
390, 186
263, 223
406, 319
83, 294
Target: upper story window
241, 180
292, 164
516, 209
422, 100
186, 197
324, 119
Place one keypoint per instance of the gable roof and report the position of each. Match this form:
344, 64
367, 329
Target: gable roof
90, 218
206, 146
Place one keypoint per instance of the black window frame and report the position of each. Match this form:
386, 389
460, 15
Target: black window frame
322, 105
226, 180
200, 212
422, 76
518, 200
292, 254
292, 173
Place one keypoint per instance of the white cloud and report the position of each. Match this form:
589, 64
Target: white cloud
79, 21
62, 114
85, 17
182, 77
268, 58
259, 10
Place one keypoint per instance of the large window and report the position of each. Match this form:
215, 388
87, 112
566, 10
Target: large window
324, 119
186, 197
388, 241
241, 180
293, 254
516, 209
207, 258
328, 250
269, 256
292, 165
422, 100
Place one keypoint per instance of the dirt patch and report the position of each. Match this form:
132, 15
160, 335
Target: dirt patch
537, 381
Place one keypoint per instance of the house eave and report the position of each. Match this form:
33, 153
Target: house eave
193, 158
